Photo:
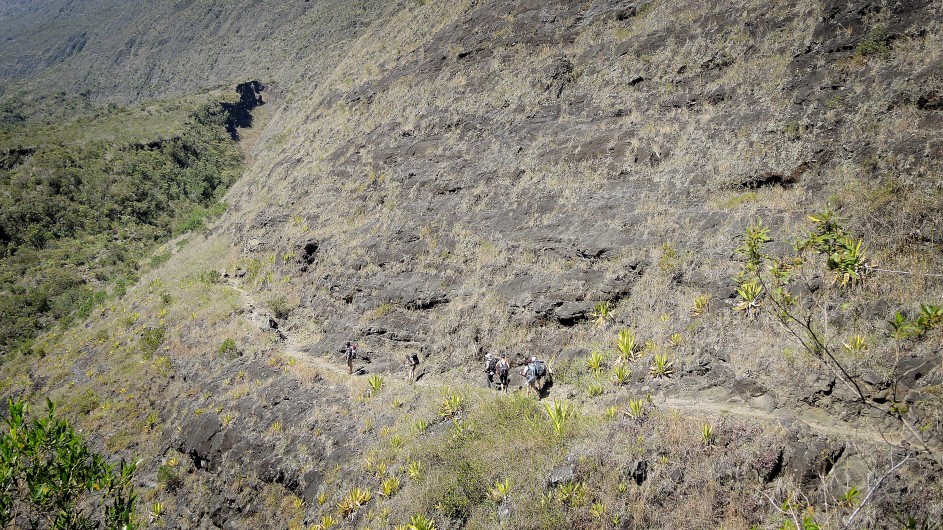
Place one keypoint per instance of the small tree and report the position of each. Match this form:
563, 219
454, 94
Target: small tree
50, 479
786, 288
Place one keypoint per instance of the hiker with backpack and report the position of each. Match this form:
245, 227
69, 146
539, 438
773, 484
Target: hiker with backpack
350, 353
535, 371
490, 364
412, 362
503, 369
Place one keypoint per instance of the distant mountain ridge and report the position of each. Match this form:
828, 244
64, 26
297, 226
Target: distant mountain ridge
131, 51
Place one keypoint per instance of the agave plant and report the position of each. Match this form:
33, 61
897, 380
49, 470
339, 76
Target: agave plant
610, 412
621, 374
675, 340
571, 493
501, 490
354, 499
597, 510
602, 314
327, 522
157, 510
376, 383
707, 433
846, 261
749, 293
661, 366
595, 361
627, 344
636, 409
414, 470
451, 404
421, 522
701, 302
855, 344
421, 426
389, 486
560, 413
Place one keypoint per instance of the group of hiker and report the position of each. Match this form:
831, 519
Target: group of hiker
533, 373
351, 349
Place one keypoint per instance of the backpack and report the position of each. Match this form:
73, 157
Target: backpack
502, 368
540, 368
492, 363
414, 360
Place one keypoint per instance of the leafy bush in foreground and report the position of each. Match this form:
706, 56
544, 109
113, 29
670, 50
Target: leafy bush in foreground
50, 479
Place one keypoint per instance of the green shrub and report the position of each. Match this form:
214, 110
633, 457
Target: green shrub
168, 477
210, 276
160, 259
281, 307
50, 478
228, 349
464, 491
931, 316
85, 402
875, 43
151, 340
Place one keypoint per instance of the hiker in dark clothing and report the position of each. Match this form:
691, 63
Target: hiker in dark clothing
503, 369
350, 353
412, 361
490, 363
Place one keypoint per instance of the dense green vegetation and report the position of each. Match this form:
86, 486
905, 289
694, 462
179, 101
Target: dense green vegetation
79, 209
50, 479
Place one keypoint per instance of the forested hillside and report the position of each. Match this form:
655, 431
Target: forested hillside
82, 204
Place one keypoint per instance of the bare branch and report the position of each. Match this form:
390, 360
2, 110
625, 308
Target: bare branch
873, 489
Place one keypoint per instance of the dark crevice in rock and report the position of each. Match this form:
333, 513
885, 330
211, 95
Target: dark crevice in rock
422, 304
930, 101
766, 179
309, 250
774, 178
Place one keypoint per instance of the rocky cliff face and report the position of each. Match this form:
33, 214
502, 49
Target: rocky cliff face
473, 177
524, 162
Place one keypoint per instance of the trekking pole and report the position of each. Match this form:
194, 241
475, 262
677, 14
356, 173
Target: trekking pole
909, 273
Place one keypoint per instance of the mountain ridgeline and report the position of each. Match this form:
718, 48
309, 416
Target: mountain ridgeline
720, 226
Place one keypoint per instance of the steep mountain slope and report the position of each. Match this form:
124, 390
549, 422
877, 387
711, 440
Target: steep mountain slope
127, 52
482, 177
